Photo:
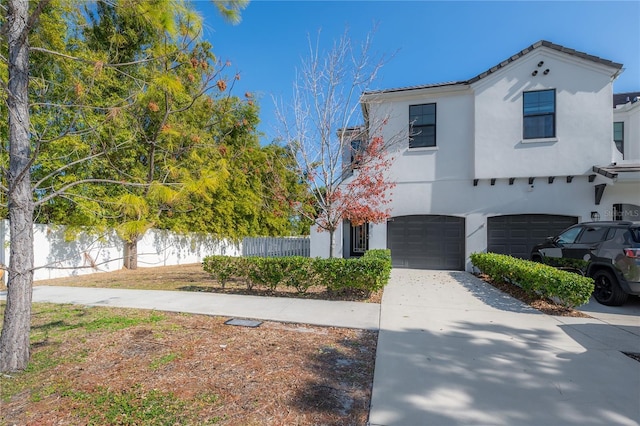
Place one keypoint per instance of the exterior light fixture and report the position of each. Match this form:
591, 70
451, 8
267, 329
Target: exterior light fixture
595, 216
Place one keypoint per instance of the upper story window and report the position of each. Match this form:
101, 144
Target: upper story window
356, 151
618, 136
422, 125
539, 114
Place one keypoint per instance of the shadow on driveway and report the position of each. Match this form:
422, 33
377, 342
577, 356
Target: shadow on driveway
508, 376
490, 295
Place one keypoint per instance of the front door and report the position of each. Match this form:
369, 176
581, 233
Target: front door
359, 239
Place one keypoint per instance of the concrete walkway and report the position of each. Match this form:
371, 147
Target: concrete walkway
315, 312
453, 350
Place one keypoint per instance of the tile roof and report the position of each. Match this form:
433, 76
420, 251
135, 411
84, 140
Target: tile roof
623, 98
541, 43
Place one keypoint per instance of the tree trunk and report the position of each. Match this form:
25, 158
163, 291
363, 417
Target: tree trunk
131, 254
332, 242
14, 341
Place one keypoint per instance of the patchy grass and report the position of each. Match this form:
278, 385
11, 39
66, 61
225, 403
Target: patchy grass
193, 278
105, 366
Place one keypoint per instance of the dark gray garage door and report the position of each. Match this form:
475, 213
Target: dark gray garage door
426, 242
515, 235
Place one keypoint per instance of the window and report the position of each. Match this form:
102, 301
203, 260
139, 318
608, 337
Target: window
356, 150
422, 125
359, 239
593, 235
618, 136
629, 212
568, 236
539, 114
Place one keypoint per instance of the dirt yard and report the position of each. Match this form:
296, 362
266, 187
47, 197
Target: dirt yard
115, 366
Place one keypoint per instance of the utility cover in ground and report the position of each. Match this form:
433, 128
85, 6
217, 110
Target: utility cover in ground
243, 322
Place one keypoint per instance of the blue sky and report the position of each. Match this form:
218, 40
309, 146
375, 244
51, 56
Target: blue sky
432, 42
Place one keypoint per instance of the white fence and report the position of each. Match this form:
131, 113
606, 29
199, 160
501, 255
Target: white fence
58, 254
276, 246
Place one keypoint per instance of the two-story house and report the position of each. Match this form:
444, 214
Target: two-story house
503, 160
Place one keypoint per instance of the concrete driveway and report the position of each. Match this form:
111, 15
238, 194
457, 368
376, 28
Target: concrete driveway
627, 315
453, 350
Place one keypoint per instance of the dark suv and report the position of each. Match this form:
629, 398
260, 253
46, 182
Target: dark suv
609, 252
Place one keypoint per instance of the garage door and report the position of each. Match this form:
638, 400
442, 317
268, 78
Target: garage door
427, 242
515, 235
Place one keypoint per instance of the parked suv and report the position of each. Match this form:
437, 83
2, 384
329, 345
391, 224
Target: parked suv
609, 252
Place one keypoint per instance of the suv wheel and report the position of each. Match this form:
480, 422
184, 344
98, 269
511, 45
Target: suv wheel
607, 290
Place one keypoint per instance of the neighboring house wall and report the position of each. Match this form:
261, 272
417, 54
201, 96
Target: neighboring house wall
59, 255
629, 115
625, 192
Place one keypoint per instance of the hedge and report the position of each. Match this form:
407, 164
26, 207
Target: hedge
368, 273
536, 278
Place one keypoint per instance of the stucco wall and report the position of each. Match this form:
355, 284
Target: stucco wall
477, 204
58, 254
584, 118
320, 242
452, 158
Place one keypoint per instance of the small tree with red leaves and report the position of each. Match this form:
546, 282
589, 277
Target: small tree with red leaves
343, 162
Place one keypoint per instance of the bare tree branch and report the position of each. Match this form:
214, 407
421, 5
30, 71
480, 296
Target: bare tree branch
322, 122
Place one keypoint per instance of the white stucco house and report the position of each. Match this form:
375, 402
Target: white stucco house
502, 160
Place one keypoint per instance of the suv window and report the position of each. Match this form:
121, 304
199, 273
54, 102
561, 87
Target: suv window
569, 236
628, 236
593, 235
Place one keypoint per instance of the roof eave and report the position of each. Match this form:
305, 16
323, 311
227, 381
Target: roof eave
442, 87
542, 43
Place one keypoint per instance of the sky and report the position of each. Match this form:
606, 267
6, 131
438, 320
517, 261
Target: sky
428, 41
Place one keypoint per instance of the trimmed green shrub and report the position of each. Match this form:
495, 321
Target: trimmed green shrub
368, 273
222, 268
384, 255
536, 278
266, 271
300, 273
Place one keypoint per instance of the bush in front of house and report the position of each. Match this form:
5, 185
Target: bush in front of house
222, 268
274, 272
536, 278
384, 264
369, 273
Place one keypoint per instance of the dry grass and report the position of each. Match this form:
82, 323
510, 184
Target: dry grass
192, 277
108, 366
118, 366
